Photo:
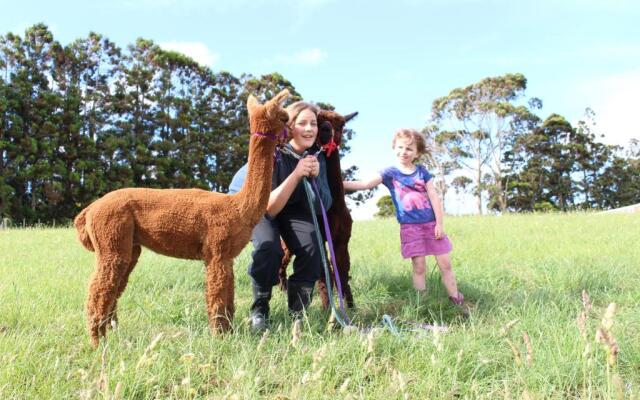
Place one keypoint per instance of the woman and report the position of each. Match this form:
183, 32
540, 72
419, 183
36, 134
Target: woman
288, 216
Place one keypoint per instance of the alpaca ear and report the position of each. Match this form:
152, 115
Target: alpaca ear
350, 116
277, 100
282, 96
252, 103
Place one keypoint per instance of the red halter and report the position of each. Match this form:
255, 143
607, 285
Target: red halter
329, 147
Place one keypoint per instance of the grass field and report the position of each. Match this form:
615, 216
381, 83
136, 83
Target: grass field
531, 333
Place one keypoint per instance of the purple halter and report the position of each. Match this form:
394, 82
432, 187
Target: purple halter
277, 138
274, 136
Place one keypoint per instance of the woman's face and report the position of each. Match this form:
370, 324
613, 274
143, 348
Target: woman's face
304, 132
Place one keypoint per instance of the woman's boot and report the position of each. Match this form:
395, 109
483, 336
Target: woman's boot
299, 297
260, 308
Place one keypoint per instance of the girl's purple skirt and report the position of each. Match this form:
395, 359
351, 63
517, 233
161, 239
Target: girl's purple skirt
420, 240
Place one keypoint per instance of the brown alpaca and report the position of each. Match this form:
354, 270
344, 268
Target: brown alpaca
340, 221
184, 223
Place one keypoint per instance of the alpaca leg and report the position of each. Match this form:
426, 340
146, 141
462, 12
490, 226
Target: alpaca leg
219, 293
323, 291
113, 249
135, 254
341, 227
344, 264
284, 263
103, 290
230, 284
321, 284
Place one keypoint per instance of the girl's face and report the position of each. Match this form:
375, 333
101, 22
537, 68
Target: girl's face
406, 151
304, 132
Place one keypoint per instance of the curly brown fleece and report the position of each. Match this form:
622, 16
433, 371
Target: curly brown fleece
184, 223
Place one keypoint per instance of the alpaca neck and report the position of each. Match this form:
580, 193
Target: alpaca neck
334, 177
254, 195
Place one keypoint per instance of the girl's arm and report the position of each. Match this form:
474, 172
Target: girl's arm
437, 208
352, 186
279, 196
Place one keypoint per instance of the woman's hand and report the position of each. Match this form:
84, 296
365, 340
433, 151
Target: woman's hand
439, 231
308, 166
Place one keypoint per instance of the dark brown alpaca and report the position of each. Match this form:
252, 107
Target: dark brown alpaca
340, 221
184, 223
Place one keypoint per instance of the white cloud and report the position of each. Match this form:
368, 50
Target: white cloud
304, 57
311, 56
196, 50
615, 102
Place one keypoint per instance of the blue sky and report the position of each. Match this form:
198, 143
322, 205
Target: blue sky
390, 59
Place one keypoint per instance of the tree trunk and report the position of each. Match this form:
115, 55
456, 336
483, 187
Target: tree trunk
479, 189
443, 191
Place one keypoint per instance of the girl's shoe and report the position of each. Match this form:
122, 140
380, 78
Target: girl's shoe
458, 301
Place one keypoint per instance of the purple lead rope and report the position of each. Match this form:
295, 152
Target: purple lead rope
331, 252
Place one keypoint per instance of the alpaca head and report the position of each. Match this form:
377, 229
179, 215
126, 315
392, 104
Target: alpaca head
268, 118
337, 122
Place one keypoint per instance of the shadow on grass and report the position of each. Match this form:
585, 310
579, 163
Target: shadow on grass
394, 295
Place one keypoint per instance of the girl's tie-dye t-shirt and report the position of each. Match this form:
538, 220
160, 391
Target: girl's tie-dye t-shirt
409, 194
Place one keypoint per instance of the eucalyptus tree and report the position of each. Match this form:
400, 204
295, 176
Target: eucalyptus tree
441, 164
542, 167
619, 183
592, 157
386, 209
476, 125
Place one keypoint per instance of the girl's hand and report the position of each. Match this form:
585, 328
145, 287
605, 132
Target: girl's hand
308, 166
439, 231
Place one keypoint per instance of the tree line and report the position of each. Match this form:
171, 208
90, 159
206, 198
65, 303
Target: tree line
486, 140
80, 120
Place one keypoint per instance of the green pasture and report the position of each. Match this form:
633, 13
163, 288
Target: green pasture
539, 287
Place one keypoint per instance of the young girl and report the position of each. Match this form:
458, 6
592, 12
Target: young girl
418, 210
